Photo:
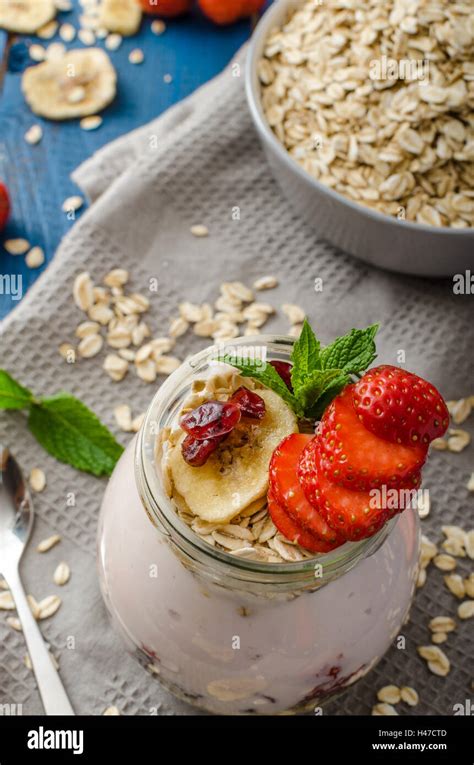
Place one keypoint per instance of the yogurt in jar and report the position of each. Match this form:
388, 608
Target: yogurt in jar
235, 632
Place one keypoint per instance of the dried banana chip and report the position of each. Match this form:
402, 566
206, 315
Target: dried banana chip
25, 16
120, 16
236, 474
51, 88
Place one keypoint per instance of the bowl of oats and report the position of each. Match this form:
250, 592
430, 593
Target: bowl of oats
366, 116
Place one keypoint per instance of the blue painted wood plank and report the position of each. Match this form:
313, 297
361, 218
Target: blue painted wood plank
3, 42
192, 50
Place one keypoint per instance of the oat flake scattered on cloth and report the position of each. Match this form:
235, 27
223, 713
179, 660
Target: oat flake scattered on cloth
192, 166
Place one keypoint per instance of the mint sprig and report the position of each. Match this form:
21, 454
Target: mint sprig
305, 357
353, 352
267, 375
318, 374
317, 383
316, 410
65, 427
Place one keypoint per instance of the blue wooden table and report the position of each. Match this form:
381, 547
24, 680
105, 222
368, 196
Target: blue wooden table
192, 50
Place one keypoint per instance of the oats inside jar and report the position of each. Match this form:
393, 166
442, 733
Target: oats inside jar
242, 525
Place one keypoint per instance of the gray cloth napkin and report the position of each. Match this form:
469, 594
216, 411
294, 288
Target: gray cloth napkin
194, 165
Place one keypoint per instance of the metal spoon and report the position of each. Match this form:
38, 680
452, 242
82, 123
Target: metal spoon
16, 522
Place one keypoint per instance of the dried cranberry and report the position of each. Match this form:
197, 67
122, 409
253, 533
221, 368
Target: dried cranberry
196, 453
284, 370
211, 419
250, 403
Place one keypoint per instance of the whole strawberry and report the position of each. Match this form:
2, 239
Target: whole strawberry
399, 406
228, 11
4, 206
253, 6
166, 8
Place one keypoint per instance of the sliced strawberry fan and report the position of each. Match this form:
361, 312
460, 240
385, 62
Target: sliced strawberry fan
354, 457
374, 436
287, 492
354, 514
293, 531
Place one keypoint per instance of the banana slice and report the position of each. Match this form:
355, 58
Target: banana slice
121, 16
26, 16
237, 473
80, 83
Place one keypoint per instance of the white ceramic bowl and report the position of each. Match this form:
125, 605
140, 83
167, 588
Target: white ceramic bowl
382, 240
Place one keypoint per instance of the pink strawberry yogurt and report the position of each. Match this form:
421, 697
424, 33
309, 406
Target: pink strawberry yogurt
238, 636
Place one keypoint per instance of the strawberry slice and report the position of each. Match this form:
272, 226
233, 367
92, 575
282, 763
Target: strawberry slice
288, 493
356, 458
399, 406
4, 206
292, 530
354, 514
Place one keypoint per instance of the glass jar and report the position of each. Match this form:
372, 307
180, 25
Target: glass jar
232, 635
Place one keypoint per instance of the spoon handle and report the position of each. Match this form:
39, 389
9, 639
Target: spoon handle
53, 695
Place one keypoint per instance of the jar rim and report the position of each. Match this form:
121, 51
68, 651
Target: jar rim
162, 511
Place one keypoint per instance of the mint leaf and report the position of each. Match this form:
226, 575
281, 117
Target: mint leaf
305, 357
71, 433
65, 427
351, 353
317, 375
315, 385
268, 376
334, 387
12, 394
